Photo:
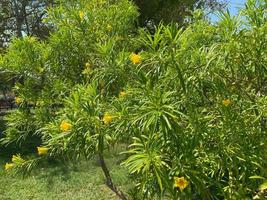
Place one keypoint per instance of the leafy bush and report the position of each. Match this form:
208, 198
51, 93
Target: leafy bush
191, 103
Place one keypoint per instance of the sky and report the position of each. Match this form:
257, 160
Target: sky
233, 6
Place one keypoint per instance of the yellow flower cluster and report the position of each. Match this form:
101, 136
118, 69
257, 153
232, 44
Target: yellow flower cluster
108, 118
88, 65
18, 100
122, 94
135, 58
180, 182
87, 69
42, 150
81, 15
65, 126
16, 159
9, 166
226, 102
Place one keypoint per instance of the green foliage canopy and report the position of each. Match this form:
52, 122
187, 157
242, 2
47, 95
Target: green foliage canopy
189, 102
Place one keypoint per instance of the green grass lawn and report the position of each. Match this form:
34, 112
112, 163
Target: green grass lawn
80, 182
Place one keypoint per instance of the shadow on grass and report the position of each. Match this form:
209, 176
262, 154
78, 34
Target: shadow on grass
52, 173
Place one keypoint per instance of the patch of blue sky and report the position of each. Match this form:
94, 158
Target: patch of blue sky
233, 6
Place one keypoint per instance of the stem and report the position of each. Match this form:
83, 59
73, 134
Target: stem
109, 181
180, 75
104, 167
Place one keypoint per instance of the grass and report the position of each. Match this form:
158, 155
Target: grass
84, 181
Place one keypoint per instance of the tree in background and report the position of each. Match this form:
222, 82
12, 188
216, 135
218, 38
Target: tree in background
20, 18
24, 17
173, 10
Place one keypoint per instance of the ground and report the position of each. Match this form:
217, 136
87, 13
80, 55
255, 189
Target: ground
85, 181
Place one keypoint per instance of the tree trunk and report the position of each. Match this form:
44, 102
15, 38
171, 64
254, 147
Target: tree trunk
109, 181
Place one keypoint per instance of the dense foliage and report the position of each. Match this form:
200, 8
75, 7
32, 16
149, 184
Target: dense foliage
25, 17
190, 103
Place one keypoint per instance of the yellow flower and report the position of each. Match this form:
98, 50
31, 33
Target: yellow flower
81, 15
88, 68
18, 100
9, 166
122, 94
17, 159
108, 118
135, 58
109, 27
180, 182
65, 126
88, 65
42, 150
226, 102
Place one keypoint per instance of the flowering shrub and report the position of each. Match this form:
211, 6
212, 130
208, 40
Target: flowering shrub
190, 103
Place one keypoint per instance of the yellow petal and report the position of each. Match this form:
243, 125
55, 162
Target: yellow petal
88, 65
65, 126
226, 102
17, 159
18, 100
180, 182
108, 118
122, 94
81, 15
42, 150
135, 58
9, 166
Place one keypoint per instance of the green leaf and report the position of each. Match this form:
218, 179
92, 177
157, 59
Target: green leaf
263, 186
257, 177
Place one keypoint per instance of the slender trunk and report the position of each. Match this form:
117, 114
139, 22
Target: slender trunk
25, 18
104, 167
109, 181
18, 19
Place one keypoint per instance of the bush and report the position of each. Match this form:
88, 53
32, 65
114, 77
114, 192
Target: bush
191, 103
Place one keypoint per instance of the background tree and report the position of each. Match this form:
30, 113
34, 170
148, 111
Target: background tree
24, 17
173, 10
18, 18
